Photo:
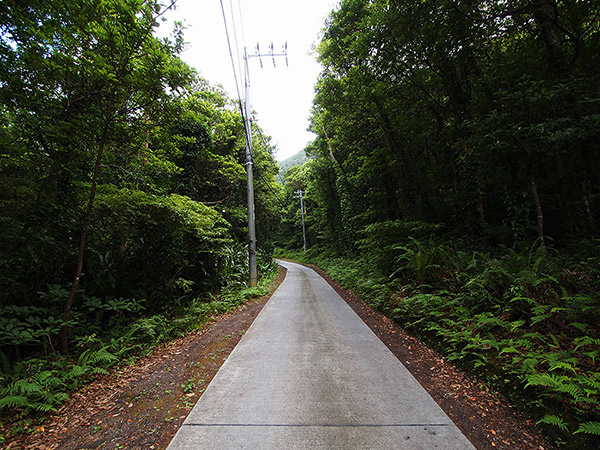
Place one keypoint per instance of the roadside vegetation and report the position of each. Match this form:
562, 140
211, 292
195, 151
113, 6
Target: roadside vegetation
107, 334
453, 184
526, 321
122, 195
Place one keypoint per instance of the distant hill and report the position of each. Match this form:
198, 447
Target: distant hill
296, 160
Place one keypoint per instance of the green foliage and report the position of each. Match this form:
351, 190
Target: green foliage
457, 123
419, 259
390, 243
589, 428
437, 125
295, 160
520, 319
38, 385
554, 421
109, 140
132, 226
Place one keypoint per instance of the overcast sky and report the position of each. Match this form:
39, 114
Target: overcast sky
281, 96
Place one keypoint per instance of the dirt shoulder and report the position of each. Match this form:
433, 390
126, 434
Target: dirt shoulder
485, 417
143, 406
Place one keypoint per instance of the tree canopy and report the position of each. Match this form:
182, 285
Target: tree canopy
481, 116
121, 170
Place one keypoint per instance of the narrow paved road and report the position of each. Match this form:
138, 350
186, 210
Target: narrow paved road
309, 374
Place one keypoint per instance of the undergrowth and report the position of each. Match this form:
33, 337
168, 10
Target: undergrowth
106, 333
526, 321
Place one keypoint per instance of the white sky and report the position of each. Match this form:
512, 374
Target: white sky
281, 96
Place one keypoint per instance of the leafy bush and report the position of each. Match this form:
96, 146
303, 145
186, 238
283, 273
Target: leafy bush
383, 240
155, 247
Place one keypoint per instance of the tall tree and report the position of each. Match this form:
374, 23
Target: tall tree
83, 76
455, 112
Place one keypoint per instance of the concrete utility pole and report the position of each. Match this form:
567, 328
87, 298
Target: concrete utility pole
249, 162
250, 178
301, 196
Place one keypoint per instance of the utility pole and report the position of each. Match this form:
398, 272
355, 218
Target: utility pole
250, 178
249, 162
301, 196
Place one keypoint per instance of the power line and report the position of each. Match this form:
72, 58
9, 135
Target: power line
248, 132
249, 165
235, 35
265, 181
237, 87
241, 23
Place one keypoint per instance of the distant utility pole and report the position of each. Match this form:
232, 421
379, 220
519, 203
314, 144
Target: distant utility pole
249, 163
301, 196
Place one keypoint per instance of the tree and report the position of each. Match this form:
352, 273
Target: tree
84, 77
455, 112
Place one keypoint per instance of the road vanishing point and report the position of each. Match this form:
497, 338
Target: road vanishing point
309, 374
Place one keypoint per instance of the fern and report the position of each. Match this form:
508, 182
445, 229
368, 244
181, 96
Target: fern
25, 387
99, 371
96, 357
561, 365
554, 420
591, 354
488, 321
589, 428
76, 372
43, 407
585, 340
541, 379
593, 385
573, 390
13, 401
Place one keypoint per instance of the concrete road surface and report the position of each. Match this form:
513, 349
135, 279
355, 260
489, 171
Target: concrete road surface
309, 374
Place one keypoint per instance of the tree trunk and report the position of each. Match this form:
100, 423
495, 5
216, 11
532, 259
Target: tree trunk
538, 208
64, 332
545, 15
480, 210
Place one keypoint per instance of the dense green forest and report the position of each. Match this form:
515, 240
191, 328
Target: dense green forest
295, 160
455, 186
122, 194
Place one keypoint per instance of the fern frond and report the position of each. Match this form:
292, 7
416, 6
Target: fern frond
573, 390
44, 407
551, 419
25, 387
101, 356
589, 428
561, 365
13, 401
583, 327
76, 372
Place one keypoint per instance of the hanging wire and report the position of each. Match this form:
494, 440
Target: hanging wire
237, 86
260, 175
241, 23
235, 36
239, 58
266, 183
